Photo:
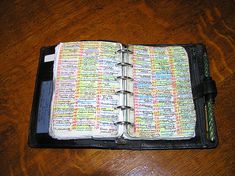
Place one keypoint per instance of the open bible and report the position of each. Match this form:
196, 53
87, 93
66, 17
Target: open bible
107, 90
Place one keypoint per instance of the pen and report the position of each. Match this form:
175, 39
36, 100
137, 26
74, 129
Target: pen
210, 126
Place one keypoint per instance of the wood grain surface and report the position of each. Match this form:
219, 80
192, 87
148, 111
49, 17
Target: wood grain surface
27, 25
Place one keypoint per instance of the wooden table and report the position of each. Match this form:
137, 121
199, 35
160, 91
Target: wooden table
26, 25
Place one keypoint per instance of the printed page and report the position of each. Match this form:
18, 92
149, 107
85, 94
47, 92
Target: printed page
163, 102
84, 98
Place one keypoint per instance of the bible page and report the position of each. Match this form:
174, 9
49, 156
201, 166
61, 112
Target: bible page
163, 102
84, 99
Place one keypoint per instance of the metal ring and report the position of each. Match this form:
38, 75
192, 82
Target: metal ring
123, 123
125, 78
124, 107
124, 92
125, 50
124, 64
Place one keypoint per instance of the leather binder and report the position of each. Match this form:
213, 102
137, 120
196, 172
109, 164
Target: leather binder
203, 89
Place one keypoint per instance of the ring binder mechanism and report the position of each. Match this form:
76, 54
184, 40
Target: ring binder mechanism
126, 92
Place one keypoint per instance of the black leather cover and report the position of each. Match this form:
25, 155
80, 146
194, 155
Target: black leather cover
39, 123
